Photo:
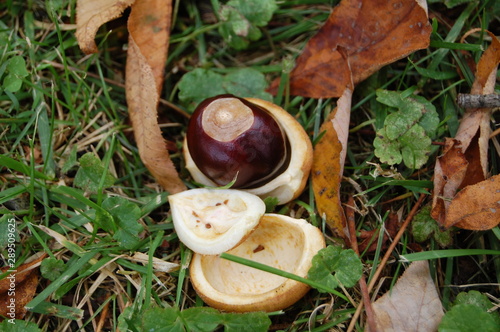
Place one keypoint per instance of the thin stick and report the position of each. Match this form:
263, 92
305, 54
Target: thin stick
478, 101
370, 315
104, 314
386, 257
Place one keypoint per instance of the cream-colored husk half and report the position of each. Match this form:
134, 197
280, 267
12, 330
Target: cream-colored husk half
289, 184
211, 221
282, 242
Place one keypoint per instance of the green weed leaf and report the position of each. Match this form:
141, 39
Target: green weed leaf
388, 151
16, 69
202, 319
12, 83
125, 216
407, 132
258, 12
199, 84
235, 29
251, 322
241, 19
51, 268
162, 320
467, 317
16, 325
88, 176
425, 227
17, 66
246, 82
333, 265
470, 311
477, 299
415, 147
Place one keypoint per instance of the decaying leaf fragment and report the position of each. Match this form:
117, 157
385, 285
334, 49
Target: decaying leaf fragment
18, 288
373, 33
149, 25
464, 160
91, 14
413, 304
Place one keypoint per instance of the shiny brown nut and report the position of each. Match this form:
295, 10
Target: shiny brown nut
253, 141
230, 139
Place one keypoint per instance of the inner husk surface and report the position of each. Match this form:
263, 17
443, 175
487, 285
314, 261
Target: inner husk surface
275, 244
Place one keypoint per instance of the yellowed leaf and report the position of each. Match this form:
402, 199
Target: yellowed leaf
413, 303
91, 14
149, 25
328, 163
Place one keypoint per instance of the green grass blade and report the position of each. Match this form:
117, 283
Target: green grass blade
281, 273
58, 310
425, 255
20, 167
64, 277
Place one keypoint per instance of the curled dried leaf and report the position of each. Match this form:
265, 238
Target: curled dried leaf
144, 72
91, 14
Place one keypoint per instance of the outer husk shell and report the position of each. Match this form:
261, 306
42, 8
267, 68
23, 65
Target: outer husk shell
289, 184
279, 241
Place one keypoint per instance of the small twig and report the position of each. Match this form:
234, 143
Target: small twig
370, 314
478, 101
104, 314
386, 257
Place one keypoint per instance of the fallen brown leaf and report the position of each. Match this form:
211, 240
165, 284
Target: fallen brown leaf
413, 303
22, 272
12, 304
373, 33
476, 207
464, 160
91, 14
149, 25
18, 288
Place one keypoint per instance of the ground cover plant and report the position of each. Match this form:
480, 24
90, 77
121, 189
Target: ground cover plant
86, 223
